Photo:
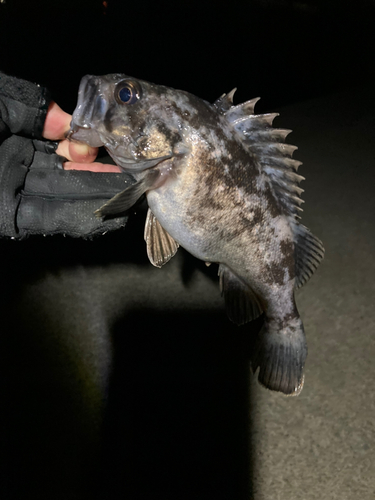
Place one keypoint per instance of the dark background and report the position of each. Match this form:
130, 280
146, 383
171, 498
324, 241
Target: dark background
283, 51
176, 422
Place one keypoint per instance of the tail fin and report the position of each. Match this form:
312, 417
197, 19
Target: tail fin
280, 353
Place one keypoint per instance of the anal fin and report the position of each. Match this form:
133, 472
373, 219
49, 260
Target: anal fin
161, 247
241, 303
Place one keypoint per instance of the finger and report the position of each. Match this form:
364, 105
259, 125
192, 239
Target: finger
92, 167
57, 122
77, 151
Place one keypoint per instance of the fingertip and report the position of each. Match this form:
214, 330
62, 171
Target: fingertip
93, 167
82, 153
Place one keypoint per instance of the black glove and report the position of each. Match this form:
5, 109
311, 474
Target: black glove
36, 195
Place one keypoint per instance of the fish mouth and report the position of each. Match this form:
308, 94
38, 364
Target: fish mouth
131, 165
91, 109
93, 138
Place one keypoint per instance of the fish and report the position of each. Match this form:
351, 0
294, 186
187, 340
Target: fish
221, 182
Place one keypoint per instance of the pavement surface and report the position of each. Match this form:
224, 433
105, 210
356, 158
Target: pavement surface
126, 381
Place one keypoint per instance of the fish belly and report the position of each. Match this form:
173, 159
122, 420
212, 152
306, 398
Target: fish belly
172, 215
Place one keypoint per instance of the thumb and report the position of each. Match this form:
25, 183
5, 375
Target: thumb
56, 125
57, 122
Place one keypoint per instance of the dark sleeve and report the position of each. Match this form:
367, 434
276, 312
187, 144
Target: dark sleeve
23, 107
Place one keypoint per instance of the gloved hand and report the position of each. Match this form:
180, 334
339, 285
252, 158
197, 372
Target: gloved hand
37, 196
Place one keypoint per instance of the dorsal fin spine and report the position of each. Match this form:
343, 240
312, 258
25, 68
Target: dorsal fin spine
284, 173
266, 118
292, 189
275, 149
243, 109
225, 101
265, 135
281, 162
229, 96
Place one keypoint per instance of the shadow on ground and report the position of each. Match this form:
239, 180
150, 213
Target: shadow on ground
177, 422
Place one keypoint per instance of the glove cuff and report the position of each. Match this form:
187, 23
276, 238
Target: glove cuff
29, 104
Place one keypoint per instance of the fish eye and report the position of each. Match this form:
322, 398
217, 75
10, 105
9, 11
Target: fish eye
127, 92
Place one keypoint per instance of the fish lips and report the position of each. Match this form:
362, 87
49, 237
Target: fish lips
90, 111
131, 165
86, 135
92, 138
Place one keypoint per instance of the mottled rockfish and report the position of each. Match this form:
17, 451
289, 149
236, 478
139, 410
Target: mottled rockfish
220, 182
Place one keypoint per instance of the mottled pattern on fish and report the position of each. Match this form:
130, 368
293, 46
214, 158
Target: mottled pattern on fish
220, 182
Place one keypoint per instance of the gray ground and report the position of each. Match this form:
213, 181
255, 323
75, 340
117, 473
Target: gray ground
321, 444
126, 381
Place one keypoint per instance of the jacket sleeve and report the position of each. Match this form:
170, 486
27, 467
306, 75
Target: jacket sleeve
23, 107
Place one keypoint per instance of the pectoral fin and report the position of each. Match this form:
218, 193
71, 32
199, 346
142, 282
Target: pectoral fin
126, 199
241, 303
161, 247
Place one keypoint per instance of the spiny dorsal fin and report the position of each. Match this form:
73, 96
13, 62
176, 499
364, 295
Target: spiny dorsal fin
275, 159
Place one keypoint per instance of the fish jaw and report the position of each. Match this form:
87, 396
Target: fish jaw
89, 112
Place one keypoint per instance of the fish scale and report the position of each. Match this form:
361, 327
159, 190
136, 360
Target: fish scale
221, 183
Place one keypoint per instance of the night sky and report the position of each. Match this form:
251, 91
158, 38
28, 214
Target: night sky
283, 51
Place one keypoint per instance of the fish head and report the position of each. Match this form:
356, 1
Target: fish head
136, 121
